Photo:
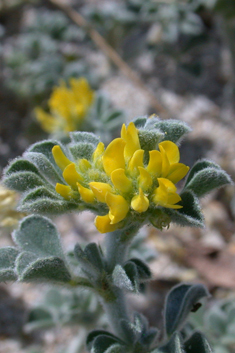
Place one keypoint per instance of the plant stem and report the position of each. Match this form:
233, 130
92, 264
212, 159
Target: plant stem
115, 311
117, 244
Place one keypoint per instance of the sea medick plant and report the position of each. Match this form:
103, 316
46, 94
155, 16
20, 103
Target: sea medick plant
129, 183
75, 106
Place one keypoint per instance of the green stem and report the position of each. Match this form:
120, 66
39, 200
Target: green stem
115, 311
117, 244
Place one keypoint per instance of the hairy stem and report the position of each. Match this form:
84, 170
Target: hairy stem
117, 244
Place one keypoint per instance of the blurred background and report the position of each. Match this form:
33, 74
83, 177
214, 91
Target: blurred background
172, 58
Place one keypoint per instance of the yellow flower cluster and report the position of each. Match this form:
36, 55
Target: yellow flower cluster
68, 107
119, 178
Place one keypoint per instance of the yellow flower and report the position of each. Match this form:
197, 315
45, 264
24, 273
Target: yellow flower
68, 106
118, 180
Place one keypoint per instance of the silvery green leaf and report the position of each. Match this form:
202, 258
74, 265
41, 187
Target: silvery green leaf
120, 278
140, 121
22, 181
21, 165
190, 214
46, 168
197, 343
88, 267
207, 179
94, 255
149, 336
132, 273
8, 256
101, 339
179, 302
81, 150
24, 259
174, 130
199, 166
115, 348
143, 270
149, 139
45, 147
41, 193
51, 269
84, 137
45, 205
173, 346
38, 235
128, 329
102, 343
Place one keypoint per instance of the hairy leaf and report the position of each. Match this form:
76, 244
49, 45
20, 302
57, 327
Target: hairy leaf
179, 303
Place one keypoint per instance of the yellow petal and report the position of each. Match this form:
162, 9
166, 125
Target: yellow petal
100, 190
145, 180
166, 184
86, 194
131, 137
120, 180
140, 203
173, 198
71, 175
98, 151
173, 206
177, 172
165, 162
155, 163
165, 195
84, 165
118, 207
160, 195
172, 151
136, 161
61, 160
103, 225
64, 190
113, 157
